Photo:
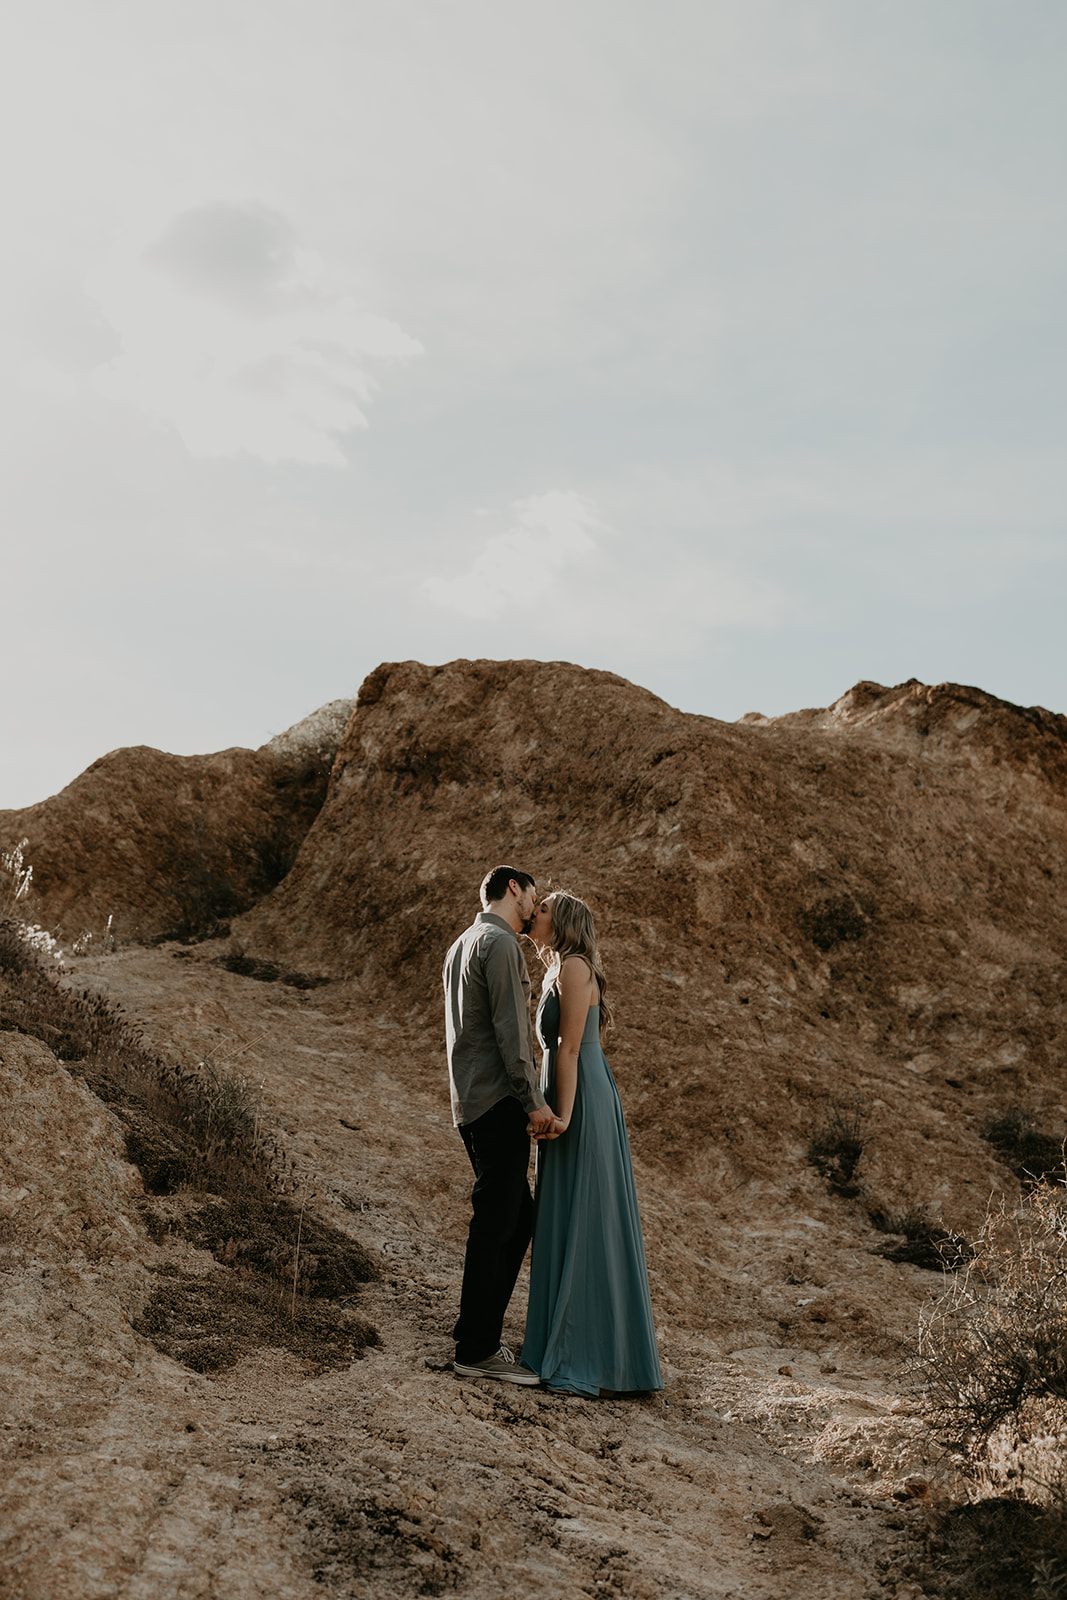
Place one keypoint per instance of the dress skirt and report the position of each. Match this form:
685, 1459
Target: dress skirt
589, 1322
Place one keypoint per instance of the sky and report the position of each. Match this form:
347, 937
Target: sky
716, 343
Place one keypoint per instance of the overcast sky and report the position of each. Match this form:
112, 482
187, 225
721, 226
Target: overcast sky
718, 343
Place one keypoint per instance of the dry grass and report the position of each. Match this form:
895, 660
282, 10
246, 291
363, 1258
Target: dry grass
196, 1126
996, 1341
200, 1131
998, 1548
209, 1322
836, 1145
993, 1364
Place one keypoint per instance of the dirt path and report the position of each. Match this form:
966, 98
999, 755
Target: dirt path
135, 1478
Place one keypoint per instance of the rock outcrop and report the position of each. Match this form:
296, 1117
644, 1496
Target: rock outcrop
864, 900
174, 844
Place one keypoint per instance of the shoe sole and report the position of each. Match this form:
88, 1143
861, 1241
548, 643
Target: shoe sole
529, 1379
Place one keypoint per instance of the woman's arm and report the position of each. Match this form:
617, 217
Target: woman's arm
575, 998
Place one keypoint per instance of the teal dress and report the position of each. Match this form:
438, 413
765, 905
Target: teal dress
589, 1322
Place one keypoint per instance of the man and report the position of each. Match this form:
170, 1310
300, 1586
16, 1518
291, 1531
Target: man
496, 1103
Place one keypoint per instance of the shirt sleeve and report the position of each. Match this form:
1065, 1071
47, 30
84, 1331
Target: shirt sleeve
509, 1009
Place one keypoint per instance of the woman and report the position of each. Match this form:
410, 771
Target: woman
589, 1323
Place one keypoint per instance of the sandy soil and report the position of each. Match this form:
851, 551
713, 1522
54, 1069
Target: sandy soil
767, 1468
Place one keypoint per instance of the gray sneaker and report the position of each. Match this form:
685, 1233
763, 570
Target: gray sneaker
503, 1366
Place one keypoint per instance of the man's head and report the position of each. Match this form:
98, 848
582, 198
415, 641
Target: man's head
510, 894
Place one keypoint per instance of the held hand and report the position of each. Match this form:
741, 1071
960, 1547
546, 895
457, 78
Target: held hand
558, 1127
540, 1121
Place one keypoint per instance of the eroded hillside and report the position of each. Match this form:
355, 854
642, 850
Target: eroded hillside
866, 900
859, 905
163, 844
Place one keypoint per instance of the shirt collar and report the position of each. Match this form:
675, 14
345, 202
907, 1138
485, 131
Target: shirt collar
496, 922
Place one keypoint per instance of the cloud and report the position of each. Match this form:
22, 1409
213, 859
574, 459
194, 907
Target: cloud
551, 532
630, 577
243, 257
235, 334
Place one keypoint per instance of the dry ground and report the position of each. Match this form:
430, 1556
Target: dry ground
127, 1475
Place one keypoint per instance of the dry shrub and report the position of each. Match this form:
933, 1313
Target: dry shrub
995, 1342
836, 1145
924, 1239
993, 1364
201, 1130
16, 904
16, 876
1033, 1155
196, 1126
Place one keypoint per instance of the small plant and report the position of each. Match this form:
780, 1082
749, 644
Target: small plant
1050, 1578
1034, 1156
834, 922
15, 879
925, 1241
835, 1147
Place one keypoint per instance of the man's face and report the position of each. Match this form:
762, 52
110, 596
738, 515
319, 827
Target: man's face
527, 899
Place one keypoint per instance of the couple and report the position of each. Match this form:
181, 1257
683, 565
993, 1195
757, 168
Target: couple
589, 1321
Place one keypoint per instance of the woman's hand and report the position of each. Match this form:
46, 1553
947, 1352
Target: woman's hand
558, 1127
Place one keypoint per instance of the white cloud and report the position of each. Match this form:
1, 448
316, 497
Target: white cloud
621, 572
551, 532
236, 335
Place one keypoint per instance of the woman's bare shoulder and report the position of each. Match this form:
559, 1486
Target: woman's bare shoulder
576, 973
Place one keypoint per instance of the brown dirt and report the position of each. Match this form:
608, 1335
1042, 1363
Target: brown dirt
174, 844
858, 905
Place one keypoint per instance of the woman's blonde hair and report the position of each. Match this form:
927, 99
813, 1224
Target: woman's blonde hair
573, 934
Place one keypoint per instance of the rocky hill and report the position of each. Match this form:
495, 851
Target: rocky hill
865, 900
842, 918
164, 844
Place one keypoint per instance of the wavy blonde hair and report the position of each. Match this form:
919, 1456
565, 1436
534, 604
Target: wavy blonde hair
573, 934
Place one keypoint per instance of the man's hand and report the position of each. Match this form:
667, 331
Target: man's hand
541, 1122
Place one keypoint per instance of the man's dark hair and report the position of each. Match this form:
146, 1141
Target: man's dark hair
495, 883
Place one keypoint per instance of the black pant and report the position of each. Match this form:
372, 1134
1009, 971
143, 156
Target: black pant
499, 1150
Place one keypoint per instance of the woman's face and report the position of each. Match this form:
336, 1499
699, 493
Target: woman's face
541, 925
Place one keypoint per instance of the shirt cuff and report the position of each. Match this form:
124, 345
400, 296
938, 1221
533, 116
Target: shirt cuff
532, 1100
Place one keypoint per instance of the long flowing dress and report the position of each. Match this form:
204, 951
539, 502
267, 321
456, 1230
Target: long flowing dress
589, 1322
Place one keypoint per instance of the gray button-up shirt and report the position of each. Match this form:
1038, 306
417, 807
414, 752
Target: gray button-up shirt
487, 1021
